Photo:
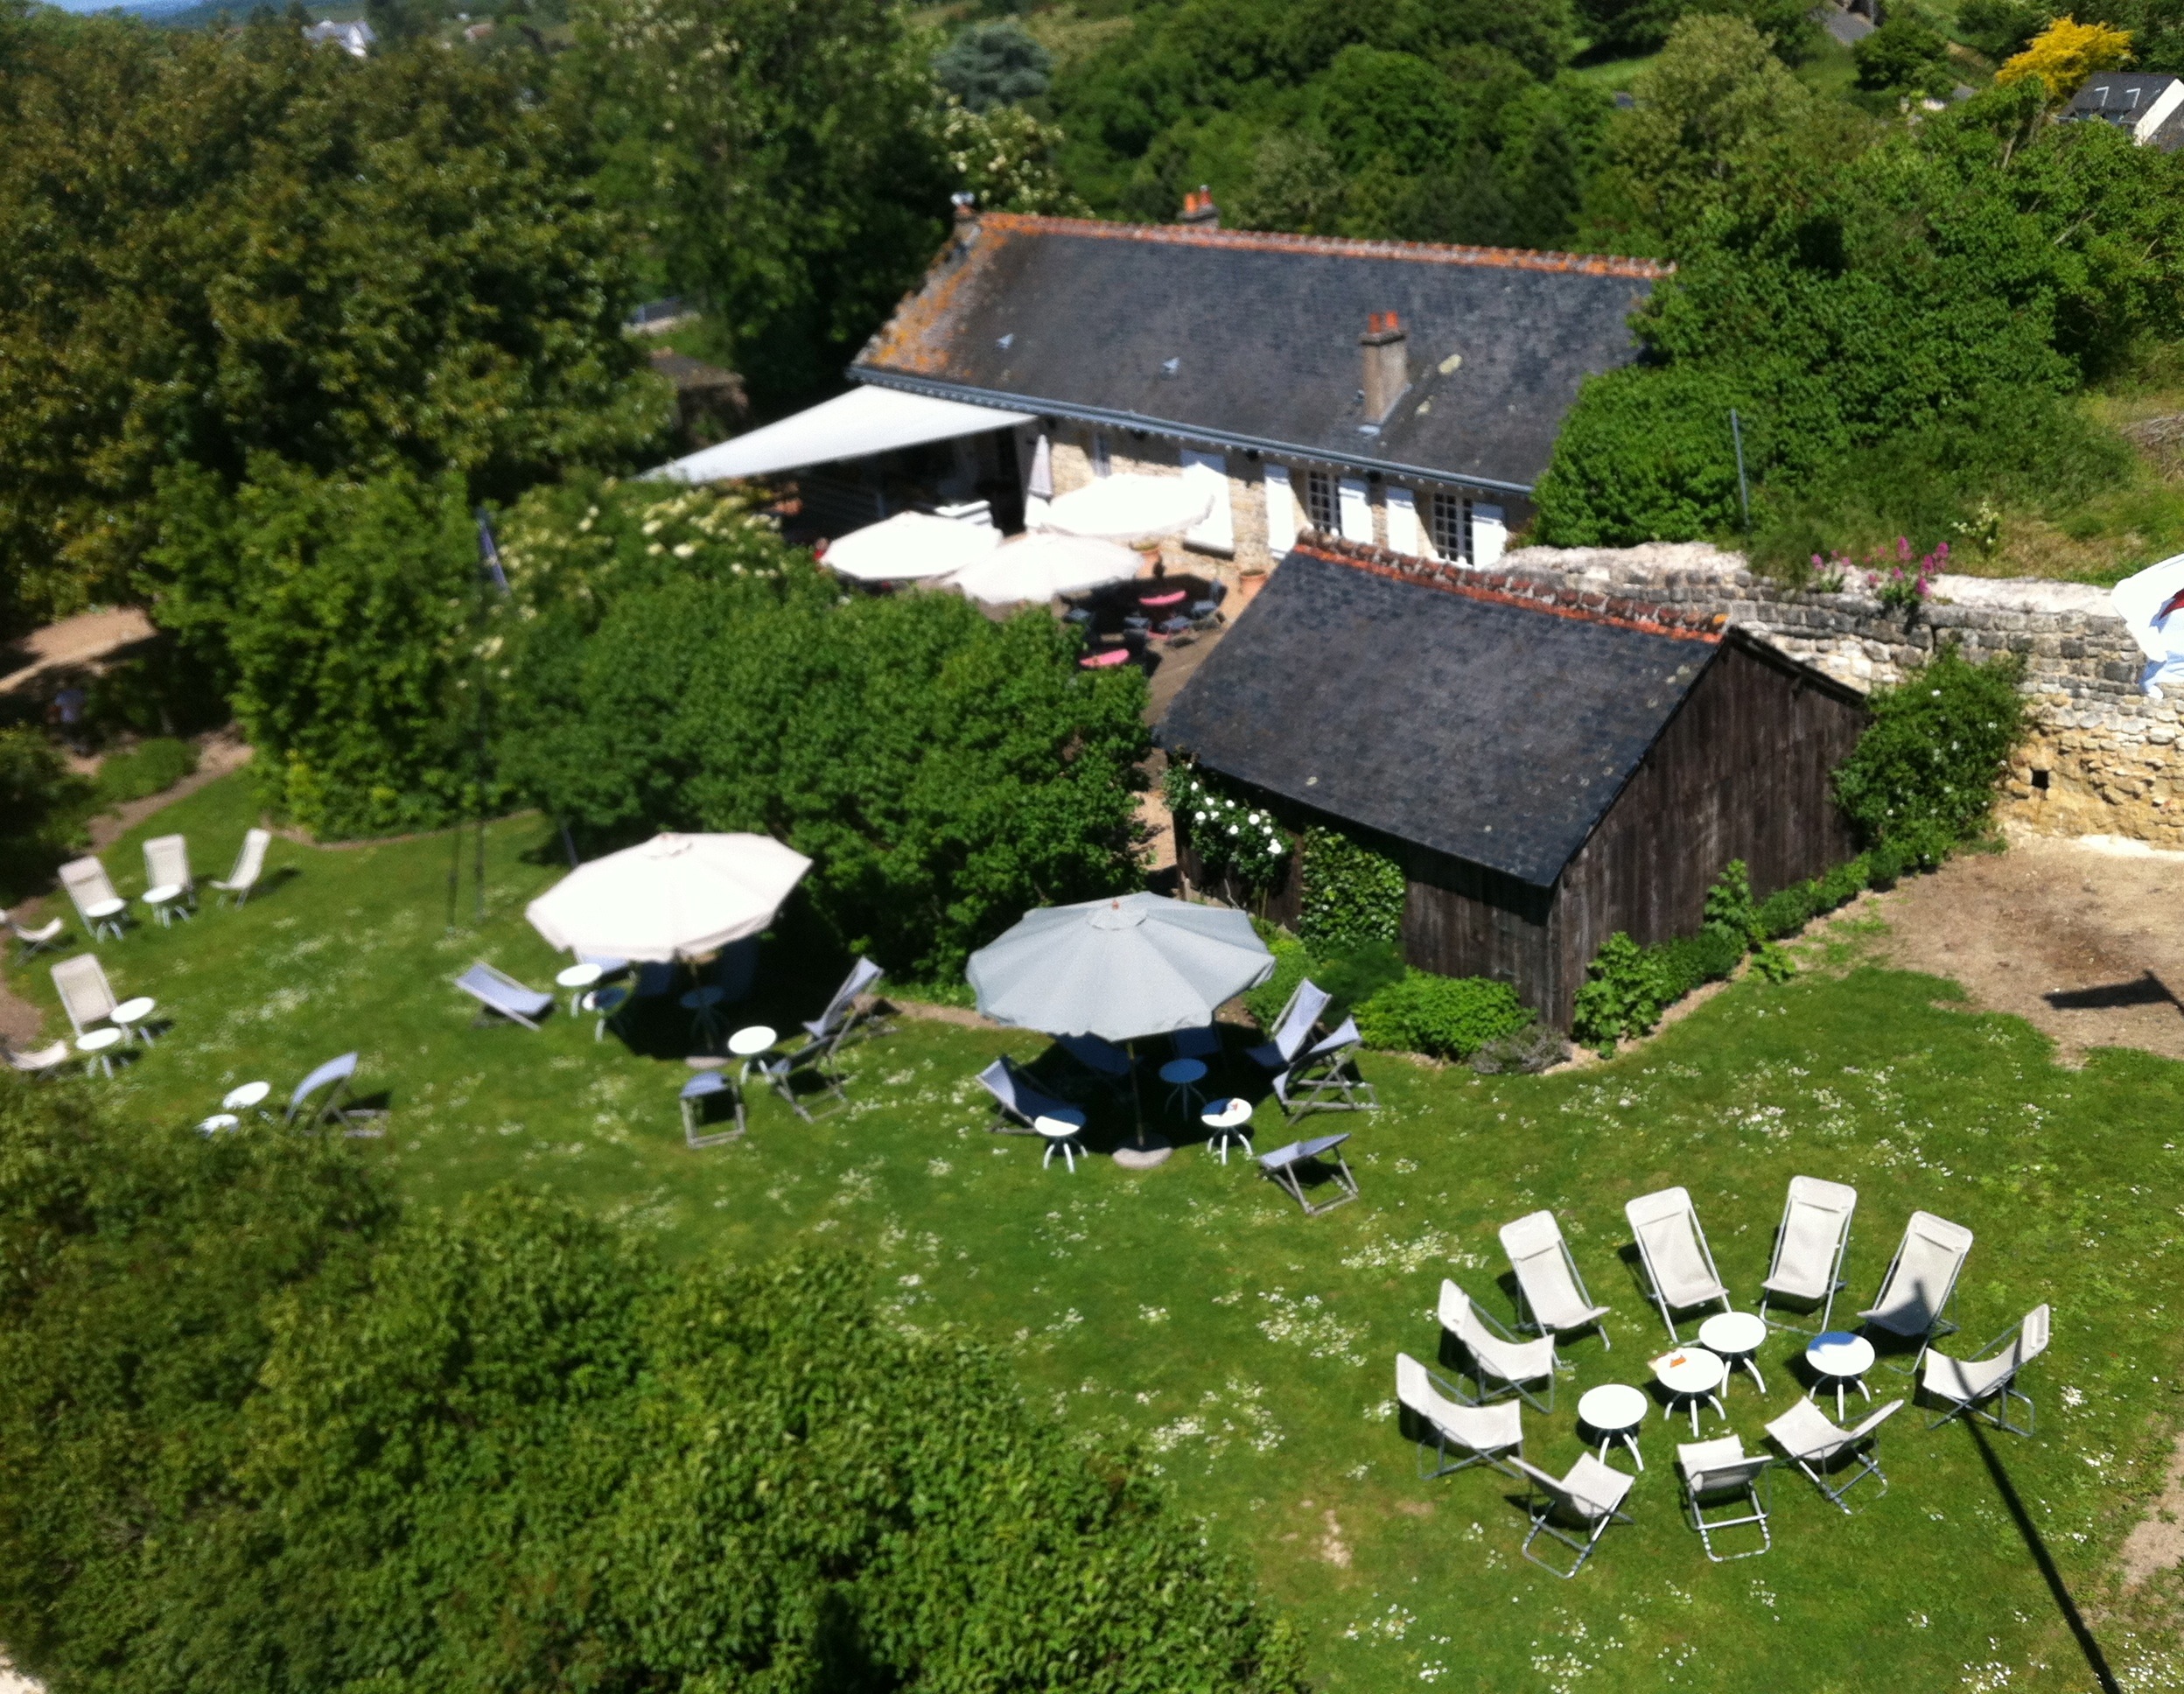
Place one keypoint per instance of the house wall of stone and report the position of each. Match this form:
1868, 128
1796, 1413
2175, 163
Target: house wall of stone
2100, 758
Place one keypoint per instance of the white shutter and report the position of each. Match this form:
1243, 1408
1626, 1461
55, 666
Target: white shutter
1218, 533
1403, 522
1489, 536
1281, 513
1354, 503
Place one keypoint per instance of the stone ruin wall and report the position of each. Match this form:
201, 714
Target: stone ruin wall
2102, 757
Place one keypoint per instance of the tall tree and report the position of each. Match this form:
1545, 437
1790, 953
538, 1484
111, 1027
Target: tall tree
214, 244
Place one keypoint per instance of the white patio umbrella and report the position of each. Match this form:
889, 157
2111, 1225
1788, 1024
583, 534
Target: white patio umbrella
673, 897
2149, 603
910, 544
1040, 567
1132, 507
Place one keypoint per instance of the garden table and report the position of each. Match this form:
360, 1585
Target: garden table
1230, 1120
1061, 1128
701, 1002
1691, 1373
164, 900
1736, 1336
577, 979
129, 1017
248, 1097
1614, 1411
1183, 1076
1839, 1357
97, 1048
748, 1044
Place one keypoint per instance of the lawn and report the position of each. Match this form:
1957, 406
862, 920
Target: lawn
1248, 1350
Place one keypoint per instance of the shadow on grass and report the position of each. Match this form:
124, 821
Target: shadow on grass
2095, 1660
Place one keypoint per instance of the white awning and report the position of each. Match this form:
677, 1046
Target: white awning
865, 420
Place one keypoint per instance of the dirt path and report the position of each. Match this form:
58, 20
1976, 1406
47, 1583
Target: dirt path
2080, 938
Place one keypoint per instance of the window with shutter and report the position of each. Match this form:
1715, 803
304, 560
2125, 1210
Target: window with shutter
1281, 512
1356, 502
1320, 500
1448, 523
1403, 521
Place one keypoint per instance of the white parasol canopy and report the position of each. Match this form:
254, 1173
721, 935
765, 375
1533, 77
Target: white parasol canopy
2149, 605
673, 897
1118, 969
1132, 507
910, 544
1040, 567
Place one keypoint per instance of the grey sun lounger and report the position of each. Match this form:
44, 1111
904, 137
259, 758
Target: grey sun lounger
1294, 1028
1325, 1077
697, 1093
322, 1098
1017, 1098
500, 995
841, 1016
1281, 1167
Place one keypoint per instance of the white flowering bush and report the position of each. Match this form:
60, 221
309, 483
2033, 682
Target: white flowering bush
1229, 834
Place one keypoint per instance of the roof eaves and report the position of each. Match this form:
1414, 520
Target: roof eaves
880, 377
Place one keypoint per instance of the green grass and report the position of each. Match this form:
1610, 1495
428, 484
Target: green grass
1249, 1349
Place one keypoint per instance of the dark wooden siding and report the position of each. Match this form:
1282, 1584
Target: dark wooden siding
1742, 770
1463, 920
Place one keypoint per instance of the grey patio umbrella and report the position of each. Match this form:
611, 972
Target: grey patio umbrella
1138, 964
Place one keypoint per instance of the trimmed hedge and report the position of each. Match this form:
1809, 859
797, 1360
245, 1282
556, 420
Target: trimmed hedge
150, 767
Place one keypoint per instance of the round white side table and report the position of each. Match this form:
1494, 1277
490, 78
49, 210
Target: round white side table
1230, 1120
1614, 1411
1736, 1336
1694, 1374
1840, 1358
1061, 1128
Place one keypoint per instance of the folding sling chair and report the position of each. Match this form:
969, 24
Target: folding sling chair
1552, 1295
1813, 1443
1963, 1387
1809, 1247
1484, 1434
1672, 1247
1282, 1164
1501, 1364
1721, 1472
1589, 1497
1913, 1304
322, 1098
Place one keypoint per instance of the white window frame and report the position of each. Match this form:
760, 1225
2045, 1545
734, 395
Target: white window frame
1323, 509
1448, 525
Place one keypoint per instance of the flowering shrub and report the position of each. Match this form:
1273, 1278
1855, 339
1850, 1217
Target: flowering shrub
1923, 777
1228, 834
1898, 584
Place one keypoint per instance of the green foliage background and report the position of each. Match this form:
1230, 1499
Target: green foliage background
260, 1428
669, 664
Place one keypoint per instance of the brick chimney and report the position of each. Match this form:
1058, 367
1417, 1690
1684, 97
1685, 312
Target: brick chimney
1199, 210
1386, 371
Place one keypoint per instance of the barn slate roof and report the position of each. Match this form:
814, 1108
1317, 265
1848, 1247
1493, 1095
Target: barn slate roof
1487, 727
1251, 341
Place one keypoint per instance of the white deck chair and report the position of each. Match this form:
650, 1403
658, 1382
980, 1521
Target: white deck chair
1809, 1248
1590, 1497
1486, 1433
1292, 1028
500, 995
38, 1063
1720, 1472
92, 892
167, 866
1673, 1248
323, 1097
1552, 1295
34, 941
1813, 1444
1963, 1386
86, 995
249, 867
840, 1017
1921, 1281
1501, 1364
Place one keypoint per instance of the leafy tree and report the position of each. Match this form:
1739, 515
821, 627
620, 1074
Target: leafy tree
786, 159
1644, 455
998, 64
42, 804
1006, 160
1905, 54
342, 612
2156, 28
261, 1431
1296, 185
2061, 56
216, 244
675, 667
1708, 114
2001, 29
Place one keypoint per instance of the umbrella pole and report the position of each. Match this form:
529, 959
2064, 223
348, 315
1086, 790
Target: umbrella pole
1137, 1095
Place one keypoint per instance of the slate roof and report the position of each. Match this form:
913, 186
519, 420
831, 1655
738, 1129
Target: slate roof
1463, 719
1251, 341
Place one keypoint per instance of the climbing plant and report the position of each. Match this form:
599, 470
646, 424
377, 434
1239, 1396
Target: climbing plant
1353, 894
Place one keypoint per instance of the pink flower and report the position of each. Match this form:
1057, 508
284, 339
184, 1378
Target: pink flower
1903, 547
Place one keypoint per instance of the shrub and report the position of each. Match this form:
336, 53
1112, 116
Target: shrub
1353, 896
1530, 1051
1620, 995
1789, 910
1729, 900
1923, 776
1228, 833
250, 1413
1644, 455
1681, 964
1443, 1017
150, 767
42, 808
1293, 963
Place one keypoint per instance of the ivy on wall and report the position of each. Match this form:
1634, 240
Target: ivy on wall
1353, 895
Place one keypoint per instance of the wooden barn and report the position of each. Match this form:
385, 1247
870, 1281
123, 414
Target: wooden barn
1548, 768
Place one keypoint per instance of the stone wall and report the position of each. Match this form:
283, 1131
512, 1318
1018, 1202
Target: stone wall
2102, 757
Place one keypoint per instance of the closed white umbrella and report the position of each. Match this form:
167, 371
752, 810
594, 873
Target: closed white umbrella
1040, 567
1132, 507
910, 544
673, 897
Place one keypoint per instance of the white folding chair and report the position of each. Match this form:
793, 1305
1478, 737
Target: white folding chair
1486, 1434
170, 890
1673, 1249
1809, 1247
1501, 1364
1718, 1472
38, 1063
249, 867
1965, 1386
1291, 1029
1913, 1304
323, 1098
91, 890
34, 941
1551, 1294
88, 998
1589, 1497
1813, 1444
